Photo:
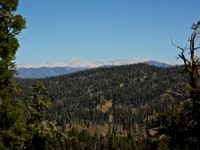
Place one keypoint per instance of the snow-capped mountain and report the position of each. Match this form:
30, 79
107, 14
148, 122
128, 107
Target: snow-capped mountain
53, 69
72, 63
75, 63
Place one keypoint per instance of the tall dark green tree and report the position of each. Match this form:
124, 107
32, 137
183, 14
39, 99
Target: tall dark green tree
43, 133
11, 124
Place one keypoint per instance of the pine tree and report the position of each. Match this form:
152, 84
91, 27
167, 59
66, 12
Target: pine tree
12, 122
173, 126
43, 133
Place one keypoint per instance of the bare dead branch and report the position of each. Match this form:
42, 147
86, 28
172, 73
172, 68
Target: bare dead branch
182, 56
197, 48
187, 63
177, 45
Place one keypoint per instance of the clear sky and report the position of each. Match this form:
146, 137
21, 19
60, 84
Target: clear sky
58, 30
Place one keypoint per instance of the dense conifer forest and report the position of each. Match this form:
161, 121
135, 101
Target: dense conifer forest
109, 101
130, 107
109, 98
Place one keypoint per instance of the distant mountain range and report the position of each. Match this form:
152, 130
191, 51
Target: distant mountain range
74, 65
45, 71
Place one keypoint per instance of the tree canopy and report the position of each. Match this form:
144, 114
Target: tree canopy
12, 124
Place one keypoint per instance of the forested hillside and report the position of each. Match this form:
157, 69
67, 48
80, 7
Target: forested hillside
130, 107
109, 98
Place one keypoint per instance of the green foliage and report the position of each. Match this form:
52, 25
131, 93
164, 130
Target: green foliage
79, 97
38, 103
134, 90
43, 134
173, 128
84, 140
12, 125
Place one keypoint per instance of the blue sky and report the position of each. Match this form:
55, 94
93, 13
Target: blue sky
104, 29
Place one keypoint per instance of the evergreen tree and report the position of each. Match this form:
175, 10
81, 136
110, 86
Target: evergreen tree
174, 128
12, 123
44, 134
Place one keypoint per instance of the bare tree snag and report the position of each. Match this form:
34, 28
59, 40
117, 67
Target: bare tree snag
193, 71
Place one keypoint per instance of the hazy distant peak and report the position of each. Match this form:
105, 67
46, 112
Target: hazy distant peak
76, 63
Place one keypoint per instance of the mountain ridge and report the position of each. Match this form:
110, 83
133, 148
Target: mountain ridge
74, 63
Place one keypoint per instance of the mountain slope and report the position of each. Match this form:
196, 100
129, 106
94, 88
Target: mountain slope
121, 95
